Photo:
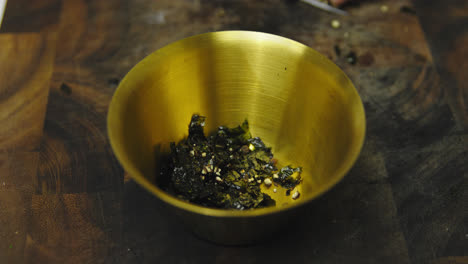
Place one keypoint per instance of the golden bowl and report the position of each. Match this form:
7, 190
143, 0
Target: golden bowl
299, 102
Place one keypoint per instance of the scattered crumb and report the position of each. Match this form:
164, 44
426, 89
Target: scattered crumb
351, 58
274, 190
335, 23
384, 9
220, 12
337, 50
268, 182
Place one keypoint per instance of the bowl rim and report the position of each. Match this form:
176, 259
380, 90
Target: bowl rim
134, 173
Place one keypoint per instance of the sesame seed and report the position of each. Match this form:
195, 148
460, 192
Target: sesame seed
203, 170
231, 156
384, 9
218, 179
202, 177
295, 195
192, 153
217, 173
203, 154
251, 147
268, 182
335, 23
274, 190
230, 149
208, 169
259, 181
251, 179
275, 176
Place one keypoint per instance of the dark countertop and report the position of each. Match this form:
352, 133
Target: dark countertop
65, 199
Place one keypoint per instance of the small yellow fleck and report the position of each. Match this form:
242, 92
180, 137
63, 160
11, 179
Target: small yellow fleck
203, 154
274, 190
384, 9
275, 176
335, 23
251, 147
268, 182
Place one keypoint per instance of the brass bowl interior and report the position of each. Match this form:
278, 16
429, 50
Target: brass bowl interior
300, 103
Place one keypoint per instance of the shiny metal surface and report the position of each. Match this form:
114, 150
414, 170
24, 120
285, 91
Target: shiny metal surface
296, 100
326, 7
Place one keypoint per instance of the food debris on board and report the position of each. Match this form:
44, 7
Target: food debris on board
335, 23
384, 8
225, 170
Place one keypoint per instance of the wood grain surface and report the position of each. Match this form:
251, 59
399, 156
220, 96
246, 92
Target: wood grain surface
65, 199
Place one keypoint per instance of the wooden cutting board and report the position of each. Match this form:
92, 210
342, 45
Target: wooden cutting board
65, 199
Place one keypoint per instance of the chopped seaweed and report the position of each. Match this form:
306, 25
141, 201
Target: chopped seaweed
224, 170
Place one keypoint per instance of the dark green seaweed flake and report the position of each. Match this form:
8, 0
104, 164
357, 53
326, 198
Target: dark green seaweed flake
226, 169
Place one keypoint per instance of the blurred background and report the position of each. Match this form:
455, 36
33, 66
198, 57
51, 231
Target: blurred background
65, 199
